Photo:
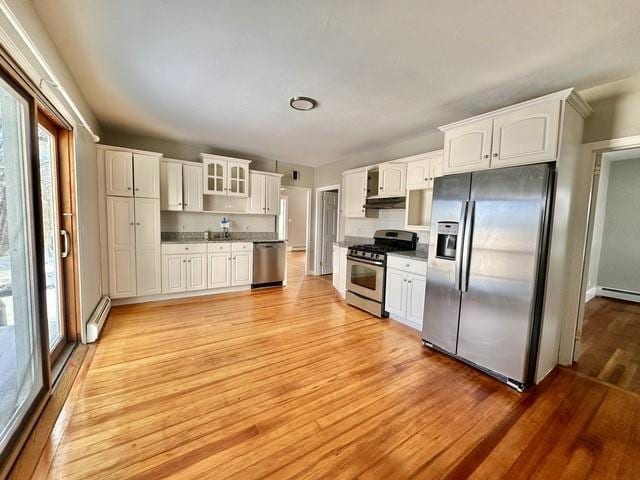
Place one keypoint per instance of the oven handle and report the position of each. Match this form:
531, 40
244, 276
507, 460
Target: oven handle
368, 262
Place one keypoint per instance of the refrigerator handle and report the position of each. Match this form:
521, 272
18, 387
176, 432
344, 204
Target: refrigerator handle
459, 252
466, 246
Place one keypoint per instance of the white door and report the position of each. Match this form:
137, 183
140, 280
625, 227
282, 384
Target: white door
121, 244
329, 230
391, 180
336, 267
215, 177
527, 135
192, 188
395, 292
171, 186
148, 263
415, 299
242, 269
467, 148
146, 176
355, 194
418, 174
272, 195
174, 273
118, 173
196, 271
219, 270
255, 202
237, 179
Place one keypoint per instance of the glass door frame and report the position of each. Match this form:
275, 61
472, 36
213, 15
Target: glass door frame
38, 106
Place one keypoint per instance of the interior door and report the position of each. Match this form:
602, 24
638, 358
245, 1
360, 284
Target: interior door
118, 173
505, 234
329, 229
148, 262
192, 188
146, 176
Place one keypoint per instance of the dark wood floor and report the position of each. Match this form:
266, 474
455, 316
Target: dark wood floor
611, 342
293, 383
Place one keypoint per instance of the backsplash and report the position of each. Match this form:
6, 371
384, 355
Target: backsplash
200, 222
387, 219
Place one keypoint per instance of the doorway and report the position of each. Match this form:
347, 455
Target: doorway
328, 218
294, 225
608, 334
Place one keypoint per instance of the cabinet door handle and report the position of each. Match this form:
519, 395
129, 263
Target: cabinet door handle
137, 189
409, 281
486, 156
128, 188
131, 223
495, 154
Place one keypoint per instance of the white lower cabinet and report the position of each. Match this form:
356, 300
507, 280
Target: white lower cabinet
196, 271
219, 270
241, 268
340, 269
174, 273
405, 291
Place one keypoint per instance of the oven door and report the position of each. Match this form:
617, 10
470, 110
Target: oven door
365, 279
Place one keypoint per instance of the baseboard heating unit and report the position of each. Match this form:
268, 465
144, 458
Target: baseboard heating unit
97, 319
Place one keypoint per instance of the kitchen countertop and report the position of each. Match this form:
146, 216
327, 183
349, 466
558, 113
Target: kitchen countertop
235, 237
420, 253
351, 241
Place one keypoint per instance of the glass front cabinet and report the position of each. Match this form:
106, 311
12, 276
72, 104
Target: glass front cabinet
225, 176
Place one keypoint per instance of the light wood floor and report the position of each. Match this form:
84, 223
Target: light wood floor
611, 342
292, 383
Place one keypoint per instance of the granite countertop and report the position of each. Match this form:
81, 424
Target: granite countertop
420, 253
351, 241
215, 237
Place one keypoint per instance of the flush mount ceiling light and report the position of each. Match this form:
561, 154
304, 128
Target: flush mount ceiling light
303, 103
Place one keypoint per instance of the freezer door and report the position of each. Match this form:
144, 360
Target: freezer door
442, 297
504, 236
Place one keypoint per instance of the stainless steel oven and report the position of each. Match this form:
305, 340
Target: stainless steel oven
365, 285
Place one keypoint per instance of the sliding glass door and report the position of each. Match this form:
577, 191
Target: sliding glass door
22, 377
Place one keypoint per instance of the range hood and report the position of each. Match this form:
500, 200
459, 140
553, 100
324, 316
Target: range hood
377, 202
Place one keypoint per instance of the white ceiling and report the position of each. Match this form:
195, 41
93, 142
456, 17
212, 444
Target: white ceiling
221, 72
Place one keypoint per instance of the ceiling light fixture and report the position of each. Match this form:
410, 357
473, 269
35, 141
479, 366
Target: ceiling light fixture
302, 103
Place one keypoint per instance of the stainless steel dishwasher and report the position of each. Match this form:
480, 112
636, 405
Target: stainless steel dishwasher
269, 260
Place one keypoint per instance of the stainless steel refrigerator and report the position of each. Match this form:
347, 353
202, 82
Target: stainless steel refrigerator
487, 266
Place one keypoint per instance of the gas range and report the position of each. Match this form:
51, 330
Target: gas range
366, 268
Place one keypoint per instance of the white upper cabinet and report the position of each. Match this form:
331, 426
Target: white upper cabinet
146, 176
391, 179
418, 174
355, 193
121, 244
468, 147
526, 135
264, 193
272, 195
148, 255
225, 175
256, 200
118, 173
192, 188
171, 185
215, 177
237, 178
423, 169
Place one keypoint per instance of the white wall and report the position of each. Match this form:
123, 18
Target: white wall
200, 222
297, 217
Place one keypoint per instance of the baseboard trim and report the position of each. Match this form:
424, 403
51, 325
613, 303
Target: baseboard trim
590, 294
618, 294
174, 296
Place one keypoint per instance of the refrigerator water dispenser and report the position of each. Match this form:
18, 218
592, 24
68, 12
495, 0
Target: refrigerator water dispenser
447, 240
